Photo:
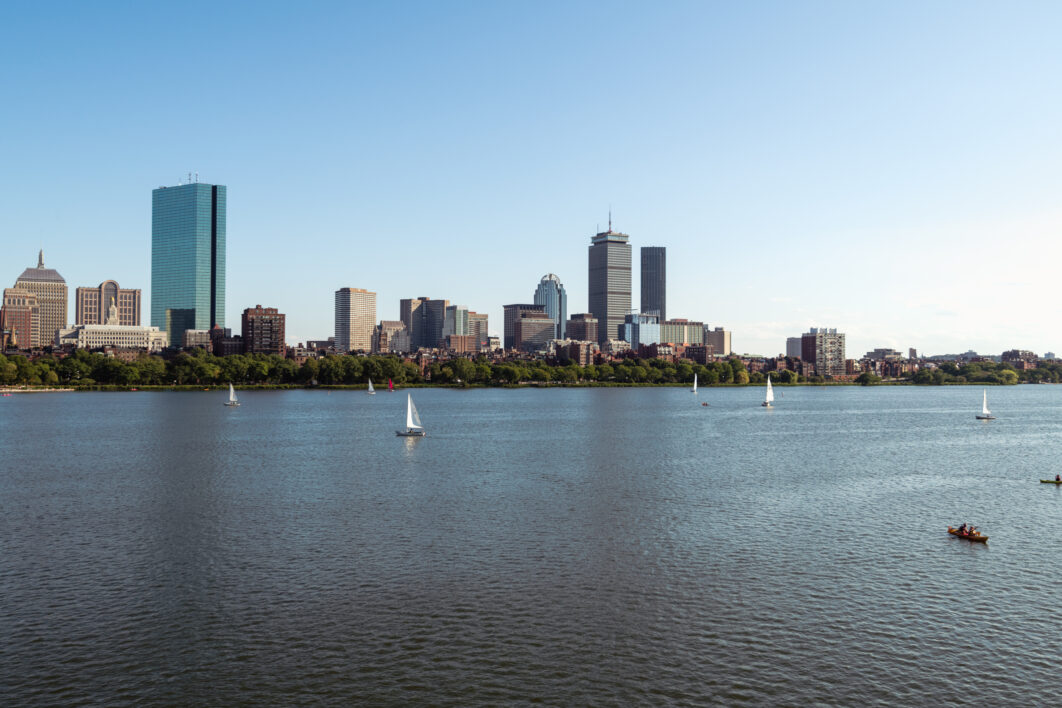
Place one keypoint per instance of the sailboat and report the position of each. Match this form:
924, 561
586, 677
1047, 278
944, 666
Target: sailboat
413, 427
372, 391
694, 389
770, 395
985, 413
232, 397
390, 386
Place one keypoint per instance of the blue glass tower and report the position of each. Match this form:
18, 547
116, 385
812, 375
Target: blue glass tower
187, 258
550, 294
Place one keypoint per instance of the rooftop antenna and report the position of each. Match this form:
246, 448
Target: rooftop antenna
197, 178
189, 178
610, 218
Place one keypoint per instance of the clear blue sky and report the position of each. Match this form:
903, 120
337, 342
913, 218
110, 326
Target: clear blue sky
889, 169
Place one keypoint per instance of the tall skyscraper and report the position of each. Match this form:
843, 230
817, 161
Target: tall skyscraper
824, 347
355, 320
50, 289
424, 319
477, 329
188, 258
609, 281
455, 321
263, 330
641, 329
654, 281
550, 294
91, 304
512, 314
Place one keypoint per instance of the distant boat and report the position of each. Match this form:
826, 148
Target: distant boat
769, 398
694, 389
233, 401
413, 427
372, 391
390, 386
985, 413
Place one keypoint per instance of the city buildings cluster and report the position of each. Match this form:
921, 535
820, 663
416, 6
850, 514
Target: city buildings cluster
188, 279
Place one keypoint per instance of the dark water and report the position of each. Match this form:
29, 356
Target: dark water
565, 547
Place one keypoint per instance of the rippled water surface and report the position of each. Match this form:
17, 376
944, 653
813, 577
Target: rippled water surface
566, 546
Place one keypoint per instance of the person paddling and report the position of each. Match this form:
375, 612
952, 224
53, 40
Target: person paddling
1058, 477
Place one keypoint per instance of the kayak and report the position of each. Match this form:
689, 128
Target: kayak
1050, 481
977, 537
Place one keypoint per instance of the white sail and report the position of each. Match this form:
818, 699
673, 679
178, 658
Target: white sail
694, 389
984, 404
371, 389
770, 392
412, 419
232, 394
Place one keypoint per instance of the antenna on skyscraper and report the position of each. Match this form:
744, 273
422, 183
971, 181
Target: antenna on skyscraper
189, 178
197, 178
610, 218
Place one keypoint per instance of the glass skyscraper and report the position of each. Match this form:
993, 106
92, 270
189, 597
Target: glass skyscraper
187, 258
550, 294
654, 280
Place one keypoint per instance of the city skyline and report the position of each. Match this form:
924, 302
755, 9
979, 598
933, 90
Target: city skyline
898, 147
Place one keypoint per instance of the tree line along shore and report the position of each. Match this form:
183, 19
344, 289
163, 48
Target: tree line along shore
84, 369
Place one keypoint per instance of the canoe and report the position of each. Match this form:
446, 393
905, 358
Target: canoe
978, 538
1050, 481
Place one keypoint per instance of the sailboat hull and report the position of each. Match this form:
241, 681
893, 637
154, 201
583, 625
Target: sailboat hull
232, 403
985, 417
410, 433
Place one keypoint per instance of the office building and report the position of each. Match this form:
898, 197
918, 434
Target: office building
263, 331
224, 343
51, 292
641, 329
912, 353
355, 320
477, 329
532, 330
654, 281
794, 347
391, 336
824, 348
19, 318
455, 321
681, 331
188, 258
424, 319
512, 314
582, 327
719, 340
550, 294
196, 338
609, 281
111, 333
91, 304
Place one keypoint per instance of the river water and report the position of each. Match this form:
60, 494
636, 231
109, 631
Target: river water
562, 546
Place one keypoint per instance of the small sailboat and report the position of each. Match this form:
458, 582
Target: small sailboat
372, 391
694, 389
413, 427
985, 413
390, 386
233, 401
769, 398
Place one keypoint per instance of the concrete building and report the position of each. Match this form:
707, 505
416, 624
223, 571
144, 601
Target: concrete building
532, 331
699, 353
609, 295
263, 331
477, 329
390, 337
18, 318
682, 331
550, 294
224, 343
824, 348
112, 334
719, 340
424, 320
884, 354
641, 329
355, 320
654, 281
512, 314
188, 258
196, 338
582, 327
794, 347
51, 292
90, 304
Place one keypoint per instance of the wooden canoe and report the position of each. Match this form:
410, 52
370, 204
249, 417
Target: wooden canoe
1050, 481
977, 537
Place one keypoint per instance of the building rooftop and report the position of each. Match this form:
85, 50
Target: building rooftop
40, 274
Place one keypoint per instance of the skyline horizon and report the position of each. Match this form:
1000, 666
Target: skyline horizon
887, 171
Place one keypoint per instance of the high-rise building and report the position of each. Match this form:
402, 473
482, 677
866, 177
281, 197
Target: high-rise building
654, 281
550, 294
355, 320
641, 329
582, 328
424, 320
532, 331
263, 331
512, 314
825, 349
91, 304
793, 347
718, 339
455, 321
477, 329
188, 258
609, 281
681, 331
912, 353
18, 318
50, 289
390, 336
